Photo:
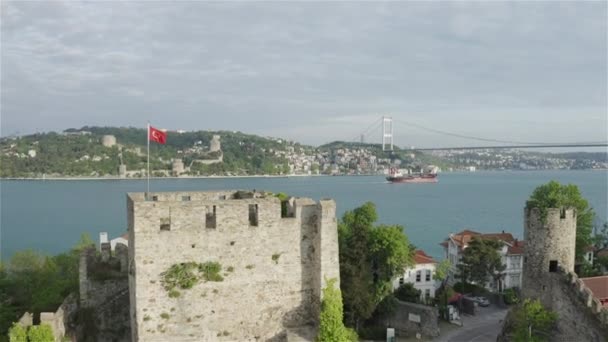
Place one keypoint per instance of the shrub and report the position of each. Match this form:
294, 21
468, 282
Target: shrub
511, 296
17, 333
165, 315
174, 294
331, 327
211, 271
533, 322
408, 293
40, 333
275, 257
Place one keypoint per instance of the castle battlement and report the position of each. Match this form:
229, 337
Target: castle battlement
275, 257
218, 210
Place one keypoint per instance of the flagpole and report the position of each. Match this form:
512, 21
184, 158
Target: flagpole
148, 173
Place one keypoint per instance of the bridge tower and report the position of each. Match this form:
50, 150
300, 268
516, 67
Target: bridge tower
387, 133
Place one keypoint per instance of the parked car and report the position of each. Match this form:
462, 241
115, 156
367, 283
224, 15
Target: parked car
482, 301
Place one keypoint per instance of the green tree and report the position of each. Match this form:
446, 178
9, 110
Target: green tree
533, 322
408, 293
40, 333
369, 258
442, 269
556, 195
17, 333
331, 326
482, 261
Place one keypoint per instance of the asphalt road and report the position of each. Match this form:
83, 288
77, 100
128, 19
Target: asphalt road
483, 327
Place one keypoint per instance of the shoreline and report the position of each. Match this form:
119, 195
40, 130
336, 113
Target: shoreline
113, 178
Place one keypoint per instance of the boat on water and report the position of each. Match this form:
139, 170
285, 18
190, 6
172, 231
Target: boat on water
426, 175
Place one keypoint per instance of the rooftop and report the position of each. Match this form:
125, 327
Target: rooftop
420, 257
599, 288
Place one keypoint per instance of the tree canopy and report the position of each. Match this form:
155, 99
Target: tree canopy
370, 255
533, 322
481, 261
556, 195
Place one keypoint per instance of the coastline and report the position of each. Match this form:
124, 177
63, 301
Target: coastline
116, 178
144, 178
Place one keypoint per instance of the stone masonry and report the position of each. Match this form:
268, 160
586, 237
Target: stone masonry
548, 275
549, 246
274, 267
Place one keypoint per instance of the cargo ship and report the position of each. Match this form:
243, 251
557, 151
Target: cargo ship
427, 175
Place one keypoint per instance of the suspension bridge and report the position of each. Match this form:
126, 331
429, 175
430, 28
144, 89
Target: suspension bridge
385, 126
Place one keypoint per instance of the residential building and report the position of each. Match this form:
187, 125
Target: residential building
511, 254
421, 275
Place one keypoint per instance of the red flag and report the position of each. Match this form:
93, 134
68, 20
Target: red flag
157, 135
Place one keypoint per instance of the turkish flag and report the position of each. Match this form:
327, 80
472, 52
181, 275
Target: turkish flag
157, 135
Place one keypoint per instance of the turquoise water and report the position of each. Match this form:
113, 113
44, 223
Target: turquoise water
49, 216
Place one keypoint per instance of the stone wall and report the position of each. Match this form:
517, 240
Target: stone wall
273, 267
61, 321
580, 316
103, 312
408, 319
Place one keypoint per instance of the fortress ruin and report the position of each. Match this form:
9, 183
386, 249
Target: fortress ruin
275, 258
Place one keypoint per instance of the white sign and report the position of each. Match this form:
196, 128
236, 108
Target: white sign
414, 318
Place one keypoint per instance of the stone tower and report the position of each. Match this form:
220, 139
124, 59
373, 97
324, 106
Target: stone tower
274, 264
549, 249
215, 144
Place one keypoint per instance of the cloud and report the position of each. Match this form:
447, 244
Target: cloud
289, 68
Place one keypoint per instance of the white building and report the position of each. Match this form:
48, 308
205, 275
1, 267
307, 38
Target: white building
103, 237
511, 253
421, 275
31, 153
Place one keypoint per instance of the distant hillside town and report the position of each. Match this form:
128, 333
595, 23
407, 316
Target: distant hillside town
121, 153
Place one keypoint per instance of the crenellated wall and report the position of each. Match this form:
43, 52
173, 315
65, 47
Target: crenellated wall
273, 267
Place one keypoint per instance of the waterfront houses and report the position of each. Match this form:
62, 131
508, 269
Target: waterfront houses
421, 275
511, 253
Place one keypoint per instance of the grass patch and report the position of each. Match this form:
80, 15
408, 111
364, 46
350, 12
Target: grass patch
187, 274
165, 315
249, 267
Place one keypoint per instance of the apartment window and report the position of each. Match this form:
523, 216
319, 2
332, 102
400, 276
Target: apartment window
427, 293
417, 276
401, 281
185, 198
428, 275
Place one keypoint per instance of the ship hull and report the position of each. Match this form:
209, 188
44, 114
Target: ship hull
413, 179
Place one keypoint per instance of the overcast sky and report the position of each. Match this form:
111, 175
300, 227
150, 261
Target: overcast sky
312, 72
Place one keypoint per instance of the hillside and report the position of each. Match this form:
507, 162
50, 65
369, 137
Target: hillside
79, 152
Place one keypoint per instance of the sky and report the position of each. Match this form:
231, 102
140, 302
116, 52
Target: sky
310, 72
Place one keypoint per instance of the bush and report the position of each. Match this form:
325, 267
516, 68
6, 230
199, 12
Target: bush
471, 288
511, 296
532, 317
408, 293
40, 333
17, 333
331, 327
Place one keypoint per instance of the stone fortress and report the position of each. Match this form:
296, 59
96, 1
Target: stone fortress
275, 259
548, 275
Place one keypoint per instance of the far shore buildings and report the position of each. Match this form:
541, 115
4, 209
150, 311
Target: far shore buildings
511, 253
421, 275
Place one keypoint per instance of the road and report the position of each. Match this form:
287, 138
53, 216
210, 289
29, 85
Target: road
483, 327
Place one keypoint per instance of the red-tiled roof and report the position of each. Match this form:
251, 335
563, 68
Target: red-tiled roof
422, 258
517, 247
125, 236
599, 287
